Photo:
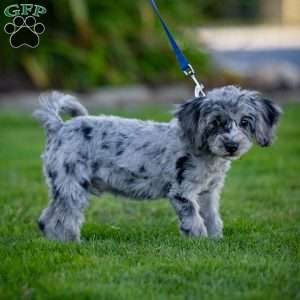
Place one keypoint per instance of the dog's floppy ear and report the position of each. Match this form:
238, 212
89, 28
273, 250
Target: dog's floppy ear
188, 115
268, 114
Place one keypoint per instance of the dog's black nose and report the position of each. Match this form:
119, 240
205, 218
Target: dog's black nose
231, 147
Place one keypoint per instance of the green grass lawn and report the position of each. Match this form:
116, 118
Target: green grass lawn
133, 250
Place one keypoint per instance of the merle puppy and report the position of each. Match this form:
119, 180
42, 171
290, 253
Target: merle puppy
185, 160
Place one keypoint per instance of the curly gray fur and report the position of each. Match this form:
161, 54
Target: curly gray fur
185, 160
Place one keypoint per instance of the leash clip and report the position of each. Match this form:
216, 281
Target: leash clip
182, 60
199, 88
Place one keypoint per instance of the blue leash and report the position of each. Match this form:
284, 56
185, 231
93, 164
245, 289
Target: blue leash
185, 66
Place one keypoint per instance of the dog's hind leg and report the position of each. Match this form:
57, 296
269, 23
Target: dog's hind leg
62, 219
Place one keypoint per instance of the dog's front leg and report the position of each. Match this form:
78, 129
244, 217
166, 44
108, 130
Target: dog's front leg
209, 210
187, 210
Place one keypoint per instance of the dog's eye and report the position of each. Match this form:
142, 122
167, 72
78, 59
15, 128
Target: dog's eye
216, 123
244, 122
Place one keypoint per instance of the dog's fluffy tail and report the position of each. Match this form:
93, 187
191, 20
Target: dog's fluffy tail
51, 104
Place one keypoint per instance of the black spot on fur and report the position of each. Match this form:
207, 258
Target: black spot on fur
119, 152
69, 168
180, 167
59, 143
124, 136
95, 166
87, 132
134, 175
187, 208
159, 151
55, 192
52, 174
85, 184
180, 163
142, 169
166, 188
130, 180
145, 145
104, 134
41, 225
181, 199
105, 146
83, 156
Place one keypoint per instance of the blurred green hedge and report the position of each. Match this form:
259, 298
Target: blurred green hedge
92, 43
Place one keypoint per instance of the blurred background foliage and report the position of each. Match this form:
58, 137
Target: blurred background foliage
91, 43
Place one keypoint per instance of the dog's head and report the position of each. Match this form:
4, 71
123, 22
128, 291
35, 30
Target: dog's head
226, 120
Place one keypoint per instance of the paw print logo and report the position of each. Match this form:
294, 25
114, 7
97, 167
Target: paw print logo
24, 32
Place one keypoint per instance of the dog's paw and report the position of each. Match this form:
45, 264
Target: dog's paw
215, 228
196, 228
59, 232
216, 235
